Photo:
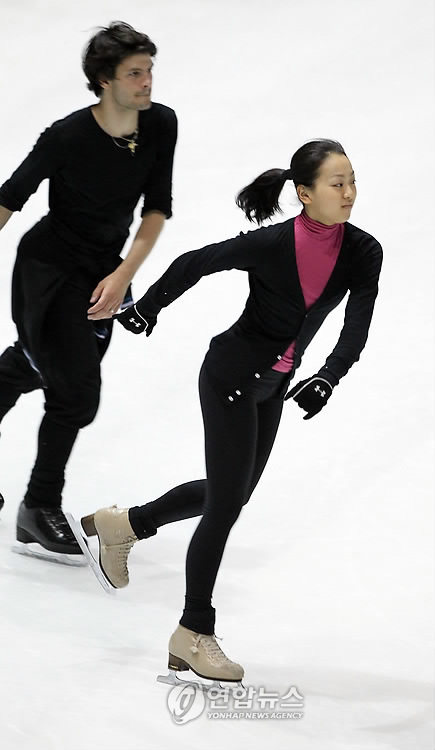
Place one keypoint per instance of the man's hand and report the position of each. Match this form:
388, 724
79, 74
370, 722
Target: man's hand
108, 295
311, 394
133, 321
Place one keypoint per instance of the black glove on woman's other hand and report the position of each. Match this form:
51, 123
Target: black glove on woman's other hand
311, 394
133, 321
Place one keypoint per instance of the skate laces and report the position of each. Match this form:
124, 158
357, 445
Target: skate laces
123, 553
211, 647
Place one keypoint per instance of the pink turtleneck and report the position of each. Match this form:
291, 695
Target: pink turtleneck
317, 247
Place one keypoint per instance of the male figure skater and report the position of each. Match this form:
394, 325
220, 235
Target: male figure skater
69, 278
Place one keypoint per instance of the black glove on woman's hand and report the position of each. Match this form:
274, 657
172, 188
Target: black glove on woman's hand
133, 321
311, 394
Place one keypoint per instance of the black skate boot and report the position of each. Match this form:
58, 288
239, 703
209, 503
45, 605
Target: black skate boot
45, 533
2, 501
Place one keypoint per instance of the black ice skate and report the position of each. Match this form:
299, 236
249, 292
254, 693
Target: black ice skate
2, 501
45, 533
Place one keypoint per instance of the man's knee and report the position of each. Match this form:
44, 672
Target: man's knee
77, 408
87, 412
16, 370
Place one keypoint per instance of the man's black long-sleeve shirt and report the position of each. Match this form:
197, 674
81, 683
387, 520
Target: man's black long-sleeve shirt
94, 185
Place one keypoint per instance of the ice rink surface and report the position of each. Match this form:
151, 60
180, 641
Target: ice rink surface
327, 578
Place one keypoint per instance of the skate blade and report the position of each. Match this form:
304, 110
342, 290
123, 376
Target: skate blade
33, 549
172, 679
93, 562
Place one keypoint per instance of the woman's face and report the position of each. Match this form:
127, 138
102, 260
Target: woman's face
333, 194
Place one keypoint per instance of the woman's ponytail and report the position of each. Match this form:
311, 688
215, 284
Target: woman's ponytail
260, 199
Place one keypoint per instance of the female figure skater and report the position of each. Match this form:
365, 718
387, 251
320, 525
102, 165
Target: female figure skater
299, 270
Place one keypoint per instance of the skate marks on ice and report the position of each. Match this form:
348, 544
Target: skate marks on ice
93, 562
34, 549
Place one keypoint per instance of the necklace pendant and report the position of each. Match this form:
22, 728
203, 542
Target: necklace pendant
132, 146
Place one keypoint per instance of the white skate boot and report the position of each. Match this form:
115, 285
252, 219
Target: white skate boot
203, 655
115, 538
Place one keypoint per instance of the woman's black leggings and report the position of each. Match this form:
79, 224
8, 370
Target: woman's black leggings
238, 441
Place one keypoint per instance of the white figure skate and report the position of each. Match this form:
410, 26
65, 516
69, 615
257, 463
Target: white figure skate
93, 561
203, 655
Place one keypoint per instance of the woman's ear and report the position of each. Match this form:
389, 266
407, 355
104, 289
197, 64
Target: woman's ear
303, 194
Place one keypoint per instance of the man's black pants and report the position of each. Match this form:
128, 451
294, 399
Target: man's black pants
69, 373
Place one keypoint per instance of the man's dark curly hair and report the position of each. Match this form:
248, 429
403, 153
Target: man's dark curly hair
108, 48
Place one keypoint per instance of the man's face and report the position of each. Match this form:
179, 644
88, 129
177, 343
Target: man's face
131, 87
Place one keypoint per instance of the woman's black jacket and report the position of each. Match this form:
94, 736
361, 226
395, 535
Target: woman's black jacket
275, 313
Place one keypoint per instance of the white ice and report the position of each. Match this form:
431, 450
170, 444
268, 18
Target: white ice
327, 578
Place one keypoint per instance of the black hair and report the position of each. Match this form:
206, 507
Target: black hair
108, 48
260, 199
